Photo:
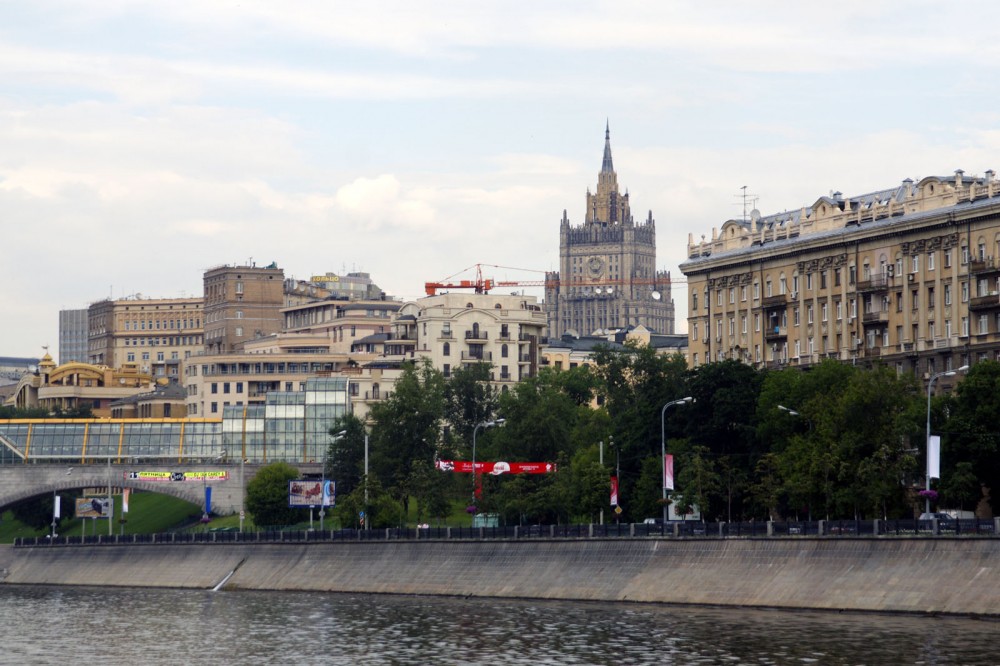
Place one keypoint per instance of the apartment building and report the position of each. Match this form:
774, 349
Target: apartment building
155, 334
242, 303
907, 276
455, 329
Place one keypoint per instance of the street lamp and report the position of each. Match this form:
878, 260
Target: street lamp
930, 384
475, 431
322, 488
788, 409
663, 447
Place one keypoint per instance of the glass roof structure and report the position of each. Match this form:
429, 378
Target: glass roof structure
292, 427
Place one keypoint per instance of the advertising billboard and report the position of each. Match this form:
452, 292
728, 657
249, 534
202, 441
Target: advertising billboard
304, 493
93, 507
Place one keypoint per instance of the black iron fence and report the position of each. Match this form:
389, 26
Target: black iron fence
669, 530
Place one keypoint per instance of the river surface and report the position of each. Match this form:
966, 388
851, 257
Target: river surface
51, 625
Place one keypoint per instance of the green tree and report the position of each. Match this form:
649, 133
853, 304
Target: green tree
970, 434
345, 457
470, 399
267, 495
381, 509
406, 428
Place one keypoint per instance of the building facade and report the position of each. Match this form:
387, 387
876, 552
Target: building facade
73, 335
456, 329
241, 303
907, 276
607, 276
156, 334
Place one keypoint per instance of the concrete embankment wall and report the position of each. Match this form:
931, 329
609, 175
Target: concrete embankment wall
939, 575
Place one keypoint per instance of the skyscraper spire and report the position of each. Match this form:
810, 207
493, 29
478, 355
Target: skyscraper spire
607, 166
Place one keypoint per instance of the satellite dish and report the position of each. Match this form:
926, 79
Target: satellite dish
656, 295
597, 290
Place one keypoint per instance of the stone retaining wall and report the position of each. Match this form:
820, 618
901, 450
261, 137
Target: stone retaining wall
939, 575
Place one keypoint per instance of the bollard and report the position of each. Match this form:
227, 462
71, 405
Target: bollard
447, 533
770, 528
677, 529
875, 527
821, 528
590, 530
516, 531
631, 529
722, 529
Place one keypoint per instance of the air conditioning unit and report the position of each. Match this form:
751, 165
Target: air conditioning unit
889, 269
795, 295
911, 277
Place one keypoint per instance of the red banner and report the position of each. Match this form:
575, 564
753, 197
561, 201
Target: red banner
495, 468
614, 491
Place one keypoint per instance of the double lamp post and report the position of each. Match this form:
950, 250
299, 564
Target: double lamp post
663, 447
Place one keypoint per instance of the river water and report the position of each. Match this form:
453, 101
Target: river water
50, 625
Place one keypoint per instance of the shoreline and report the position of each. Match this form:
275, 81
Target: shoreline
939, 576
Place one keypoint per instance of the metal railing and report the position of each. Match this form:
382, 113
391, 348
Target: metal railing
987, 528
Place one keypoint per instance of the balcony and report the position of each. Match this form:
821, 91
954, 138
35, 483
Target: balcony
985, 266
776, 333
445, 335
877, 283
476, 357
990, 302
474, 334
875, 318
872, 352
779, 301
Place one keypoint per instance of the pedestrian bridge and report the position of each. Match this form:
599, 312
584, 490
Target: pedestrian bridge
177, 457
184, 481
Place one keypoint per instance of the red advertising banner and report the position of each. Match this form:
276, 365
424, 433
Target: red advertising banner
668, 472
614, 491
495, 468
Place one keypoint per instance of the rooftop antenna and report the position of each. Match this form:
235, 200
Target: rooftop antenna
747, 199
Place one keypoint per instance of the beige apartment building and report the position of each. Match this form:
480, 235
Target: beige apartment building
343, 322
455, 329
907, 276
155, 334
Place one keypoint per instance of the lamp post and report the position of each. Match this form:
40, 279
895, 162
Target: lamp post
663, 447
322, 488
56, 514
930, 385
475, 431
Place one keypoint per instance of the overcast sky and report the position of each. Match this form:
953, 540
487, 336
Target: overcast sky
142, 143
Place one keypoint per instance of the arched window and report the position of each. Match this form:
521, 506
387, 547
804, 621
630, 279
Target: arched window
503, 351
446, 349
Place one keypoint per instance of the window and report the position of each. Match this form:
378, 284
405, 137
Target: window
503, 351
965, 292
732, 326
446, 369
767, 288
756, 291
915, 263
239, 314
782, 285
840, 310
965, 254
809, 281
795, 316
225, 387
809, 314
824, 312
836, 277
930, 298
694, 300
694, 331
822, 280
732, 295
239, 331
743, 293
947, 258
239, 387
215, 387
743, 324
215, 408
446, 349
795, 283
984, 324
930, 261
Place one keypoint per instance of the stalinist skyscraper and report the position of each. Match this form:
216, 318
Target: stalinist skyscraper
607, 275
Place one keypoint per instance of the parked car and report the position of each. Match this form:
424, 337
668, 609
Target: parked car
940, 517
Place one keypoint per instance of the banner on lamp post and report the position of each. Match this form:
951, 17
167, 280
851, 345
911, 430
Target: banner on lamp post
934, 457
614, 491
668, 472
55, 509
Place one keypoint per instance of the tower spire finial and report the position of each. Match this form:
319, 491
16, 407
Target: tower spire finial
606, 165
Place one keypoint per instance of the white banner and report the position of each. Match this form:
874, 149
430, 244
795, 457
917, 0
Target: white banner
934, 457
55, 509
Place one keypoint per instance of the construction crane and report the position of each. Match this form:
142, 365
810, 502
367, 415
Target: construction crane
483, 285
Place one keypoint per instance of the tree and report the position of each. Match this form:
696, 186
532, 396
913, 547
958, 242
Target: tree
470, 399
381, 510
406, 427
267, 495
345, 457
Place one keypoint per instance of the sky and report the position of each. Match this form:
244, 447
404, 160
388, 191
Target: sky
142, 143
